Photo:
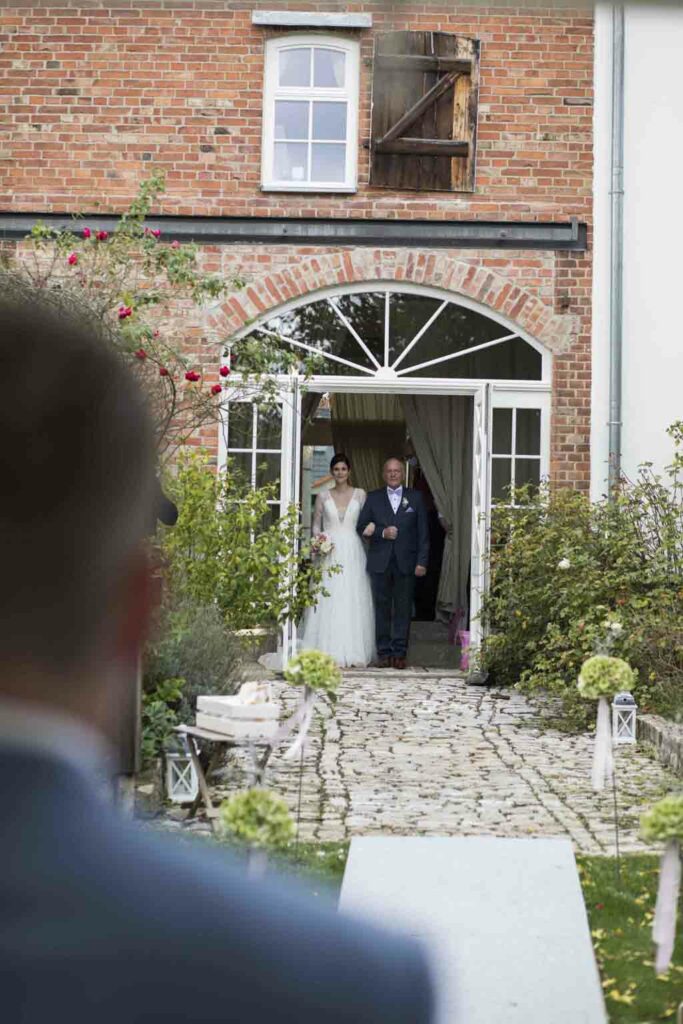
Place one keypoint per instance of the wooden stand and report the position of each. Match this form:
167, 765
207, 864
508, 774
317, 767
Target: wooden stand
203, 765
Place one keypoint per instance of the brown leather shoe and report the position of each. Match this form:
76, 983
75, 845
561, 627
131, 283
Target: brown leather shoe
399, 663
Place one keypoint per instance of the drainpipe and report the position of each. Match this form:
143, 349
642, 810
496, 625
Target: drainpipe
616, 248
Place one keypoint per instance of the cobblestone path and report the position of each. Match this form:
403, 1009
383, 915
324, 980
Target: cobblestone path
425, 754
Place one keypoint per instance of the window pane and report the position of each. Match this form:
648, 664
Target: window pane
239, 464
291, 159
240, 424
407, 314
328, 162
270, 518
267, 469
269, 426
291, 119
528, 432
527, 471
502, 432
329, 121
511, 360
365, 313
317, 325
295, 66
329, 69
501, 478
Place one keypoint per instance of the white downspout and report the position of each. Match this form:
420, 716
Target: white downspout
616, 248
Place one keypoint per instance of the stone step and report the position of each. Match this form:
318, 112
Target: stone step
503, 920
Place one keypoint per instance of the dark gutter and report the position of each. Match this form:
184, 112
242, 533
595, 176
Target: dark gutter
430, 234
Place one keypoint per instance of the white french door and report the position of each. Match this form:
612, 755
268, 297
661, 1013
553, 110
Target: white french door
480, 508
261, 439
511, 450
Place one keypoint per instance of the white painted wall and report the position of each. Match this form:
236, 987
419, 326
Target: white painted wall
653, 232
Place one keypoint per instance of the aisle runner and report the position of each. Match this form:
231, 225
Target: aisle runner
504, 919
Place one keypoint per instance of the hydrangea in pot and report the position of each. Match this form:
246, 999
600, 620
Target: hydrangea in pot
319, 674
600, 678
664, 823
258, 820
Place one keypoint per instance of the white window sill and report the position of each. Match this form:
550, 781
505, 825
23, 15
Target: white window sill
305, 187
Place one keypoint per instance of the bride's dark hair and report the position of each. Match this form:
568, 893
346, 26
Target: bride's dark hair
340, 457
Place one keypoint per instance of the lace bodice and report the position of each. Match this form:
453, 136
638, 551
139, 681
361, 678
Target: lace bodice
327, 518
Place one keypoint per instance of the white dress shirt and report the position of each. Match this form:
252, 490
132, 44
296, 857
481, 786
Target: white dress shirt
395, 495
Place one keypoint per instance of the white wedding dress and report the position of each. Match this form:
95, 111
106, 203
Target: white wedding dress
342, 624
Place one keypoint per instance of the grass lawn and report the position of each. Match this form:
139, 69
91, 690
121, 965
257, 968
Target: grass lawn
621, 926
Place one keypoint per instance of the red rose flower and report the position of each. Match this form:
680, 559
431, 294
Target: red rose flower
87, 232
175, 244
192, 376
102, 236
216, 389
125, 311
156, 232
163, 372
155, 334
141, 354
224, 371
72, 259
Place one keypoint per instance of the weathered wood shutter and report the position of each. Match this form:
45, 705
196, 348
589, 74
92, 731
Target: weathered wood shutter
424, 111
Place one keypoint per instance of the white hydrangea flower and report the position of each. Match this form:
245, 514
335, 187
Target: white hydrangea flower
564, 563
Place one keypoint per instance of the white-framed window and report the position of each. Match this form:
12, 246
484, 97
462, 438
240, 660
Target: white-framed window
310, 115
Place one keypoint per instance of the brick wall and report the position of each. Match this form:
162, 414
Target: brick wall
97, 95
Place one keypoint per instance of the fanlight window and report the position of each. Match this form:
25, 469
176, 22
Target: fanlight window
398, 334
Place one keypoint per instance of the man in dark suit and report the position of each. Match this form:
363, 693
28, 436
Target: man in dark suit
99, 921
394, 520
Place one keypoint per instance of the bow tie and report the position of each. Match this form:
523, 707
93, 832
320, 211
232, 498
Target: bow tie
395, 490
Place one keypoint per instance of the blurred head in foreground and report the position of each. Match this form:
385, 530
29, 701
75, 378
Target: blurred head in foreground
77, 492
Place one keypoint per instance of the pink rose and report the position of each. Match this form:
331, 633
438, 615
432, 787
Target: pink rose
192, 376
224, 371
125, 311
163, 372
175, 244
87, 232
156, 232
102, 236
72, 259
141, 354
216, 389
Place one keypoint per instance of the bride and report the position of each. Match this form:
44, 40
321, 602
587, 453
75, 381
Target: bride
342, 624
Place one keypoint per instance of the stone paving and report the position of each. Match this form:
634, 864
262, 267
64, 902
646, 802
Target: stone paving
422, 753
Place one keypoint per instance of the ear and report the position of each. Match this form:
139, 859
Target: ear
140, 596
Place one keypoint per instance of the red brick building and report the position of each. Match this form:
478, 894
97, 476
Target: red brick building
453, 163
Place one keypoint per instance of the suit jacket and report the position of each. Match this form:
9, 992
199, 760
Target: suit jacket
411, 546
101, 923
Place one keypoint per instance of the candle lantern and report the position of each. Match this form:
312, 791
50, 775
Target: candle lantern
624, 718
181, 779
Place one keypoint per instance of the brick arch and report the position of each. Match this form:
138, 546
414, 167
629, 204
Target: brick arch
480, 284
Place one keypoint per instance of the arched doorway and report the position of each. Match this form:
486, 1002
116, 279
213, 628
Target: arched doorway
414, 343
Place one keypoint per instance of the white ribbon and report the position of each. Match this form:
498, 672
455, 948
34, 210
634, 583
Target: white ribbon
603, 765
306, 714
664, 924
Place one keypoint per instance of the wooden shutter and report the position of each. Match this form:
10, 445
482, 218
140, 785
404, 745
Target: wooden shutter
424, 111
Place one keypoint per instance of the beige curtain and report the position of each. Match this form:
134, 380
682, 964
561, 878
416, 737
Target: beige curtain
369, 429
441, 431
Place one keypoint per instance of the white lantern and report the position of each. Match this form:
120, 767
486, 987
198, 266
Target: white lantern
181, 779
624, 718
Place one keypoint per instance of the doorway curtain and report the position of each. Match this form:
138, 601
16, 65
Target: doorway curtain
369, 429
440, 428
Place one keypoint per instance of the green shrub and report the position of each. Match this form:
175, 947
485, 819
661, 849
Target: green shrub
571, 578
226, 549
192, 645
159, 717
257, 818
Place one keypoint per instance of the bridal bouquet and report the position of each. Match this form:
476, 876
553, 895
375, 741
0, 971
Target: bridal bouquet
321, 545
